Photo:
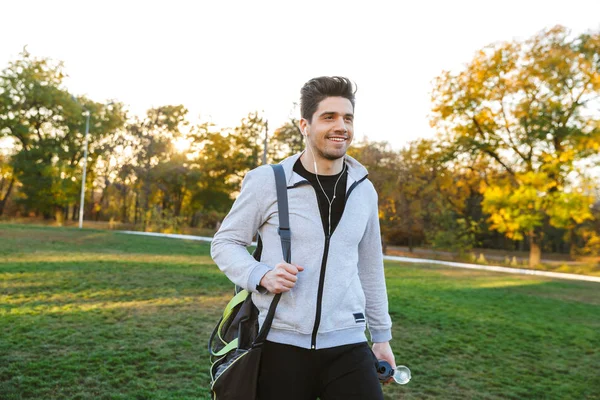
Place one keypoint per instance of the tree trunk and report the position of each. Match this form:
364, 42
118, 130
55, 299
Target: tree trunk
124, 209
178, 203
3, 200
145, 203
135, 214
59, 215
572, 243
535, 249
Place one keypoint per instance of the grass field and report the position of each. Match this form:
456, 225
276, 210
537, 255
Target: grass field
102, 315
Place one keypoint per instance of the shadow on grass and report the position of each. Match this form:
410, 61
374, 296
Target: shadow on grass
68, 285
108, 353
101, 315
124, 332
30, 239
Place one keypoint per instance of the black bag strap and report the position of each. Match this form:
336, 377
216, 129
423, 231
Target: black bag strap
285, 235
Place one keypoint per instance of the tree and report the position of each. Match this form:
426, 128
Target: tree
7, 181
47, 125
249, 139
454, 219
528, 107
286, 141
151, 140
223, 158
398, 192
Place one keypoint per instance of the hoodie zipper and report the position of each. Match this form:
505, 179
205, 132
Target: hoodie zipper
313, 343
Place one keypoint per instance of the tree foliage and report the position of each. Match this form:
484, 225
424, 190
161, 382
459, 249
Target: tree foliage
47, 125
518, 127
529, 108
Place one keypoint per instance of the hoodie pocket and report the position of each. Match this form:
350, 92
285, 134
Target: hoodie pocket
345, 311
284, 314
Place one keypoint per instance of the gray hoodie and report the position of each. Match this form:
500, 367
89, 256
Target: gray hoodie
347, 268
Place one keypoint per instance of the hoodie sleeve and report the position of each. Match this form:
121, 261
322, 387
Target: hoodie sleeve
371, 273
229, 245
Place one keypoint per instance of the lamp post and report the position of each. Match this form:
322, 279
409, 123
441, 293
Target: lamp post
85, 151
264, 160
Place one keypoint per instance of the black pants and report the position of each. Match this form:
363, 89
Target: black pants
338, 373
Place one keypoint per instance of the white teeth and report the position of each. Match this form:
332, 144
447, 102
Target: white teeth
337, 139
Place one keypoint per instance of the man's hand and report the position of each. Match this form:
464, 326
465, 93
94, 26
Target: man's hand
383, 351
282, 278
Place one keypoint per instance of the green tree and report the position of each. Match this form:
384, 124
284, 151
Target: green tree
286, 141
398, 192
528, 107
7, 181
47, 125
249, 138
151, 142
223, 158
454, 218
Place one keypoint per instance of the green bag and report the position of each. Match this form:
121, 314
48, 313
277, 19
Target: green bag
235, 344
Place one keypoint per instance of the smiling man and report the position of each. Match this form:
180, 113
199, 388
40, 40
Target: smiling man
335, 287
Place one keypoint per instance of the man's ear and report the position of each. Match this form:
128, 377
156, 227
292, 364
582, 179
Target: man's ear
303, 126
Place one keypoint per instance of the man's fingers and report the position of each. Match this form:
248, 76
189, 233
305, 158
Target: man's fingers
282, 274
280, 289
289, 277
291, 268
283, 277
287, 284
286, 279
277, 291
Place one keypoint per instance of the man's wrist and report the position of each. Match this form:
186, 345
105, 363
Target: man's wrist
256, 277
380, 335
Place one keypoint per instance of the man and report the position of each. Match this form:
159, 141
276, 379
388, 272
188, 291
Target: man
335, 287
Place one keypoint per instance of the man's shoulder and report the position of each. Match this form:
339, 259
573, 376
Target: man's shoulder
368, 189
262, 171
260, 176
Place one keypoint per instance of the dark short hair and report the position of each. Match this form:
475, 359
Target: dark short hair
318, 89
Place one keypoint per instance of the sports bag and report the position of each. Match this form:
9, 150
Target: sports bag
235, 344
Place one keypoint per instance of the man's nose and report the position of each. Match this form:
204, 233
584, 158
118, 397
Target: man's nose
340, 125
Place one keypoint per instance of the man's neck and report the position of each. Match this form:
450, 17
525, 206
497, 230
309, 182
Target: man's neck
324, 166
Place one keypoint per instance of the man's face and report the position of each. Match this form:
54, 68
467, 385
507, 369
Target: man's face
332, 128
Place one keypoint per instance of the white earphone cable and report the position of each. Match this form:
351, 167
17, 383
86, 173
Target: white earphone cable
329, 201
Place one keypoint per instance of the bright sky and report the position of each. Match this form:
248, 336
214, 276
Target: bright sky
223, 59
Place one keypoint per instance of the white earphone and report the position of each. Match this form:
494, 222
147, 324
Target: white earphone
329, 201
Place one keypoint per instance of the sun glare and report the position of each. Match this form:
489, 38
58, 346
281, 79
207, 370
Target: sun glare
181, 144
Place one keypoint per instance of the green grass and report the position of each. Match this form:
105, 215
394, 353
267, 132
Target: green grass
102, 315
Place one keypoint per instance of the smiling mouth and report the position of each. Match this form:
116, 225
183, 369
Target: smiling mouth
337, 139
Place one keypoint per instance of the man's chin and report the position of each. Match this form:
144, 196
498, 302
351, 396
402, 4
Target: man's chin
334, 155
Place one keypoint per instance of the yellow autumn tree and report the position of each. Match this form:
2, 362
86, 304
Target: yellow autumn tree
529, 107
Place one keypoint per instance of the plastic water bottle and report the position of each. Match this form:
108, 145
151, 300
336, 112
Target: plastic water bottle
401, 374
